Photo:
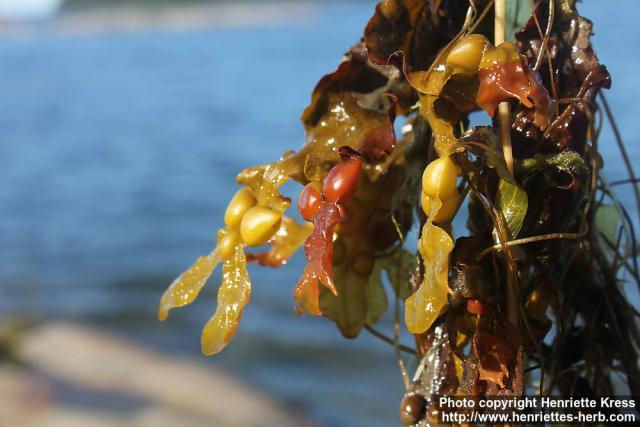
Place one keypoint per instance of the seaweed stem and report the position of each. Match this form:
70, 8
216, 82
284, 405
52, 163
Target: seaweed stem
532, 239
545, 50
624, 181
376, 333
482, 15
547, 34
504, 111
623, 150
531, 368
396, 343
631, 233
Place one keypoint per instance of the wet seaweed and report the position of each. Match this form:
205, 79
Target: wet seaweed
534, 297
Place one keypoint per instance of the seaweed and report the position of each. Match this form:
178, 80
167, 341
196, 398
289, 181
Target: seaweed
533, 299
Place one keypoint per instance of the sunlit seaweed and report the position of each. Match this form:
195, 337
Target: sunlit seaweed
549, 244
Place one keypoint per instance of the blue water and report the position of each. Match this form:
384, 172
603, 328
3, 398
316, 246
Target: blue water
119, 153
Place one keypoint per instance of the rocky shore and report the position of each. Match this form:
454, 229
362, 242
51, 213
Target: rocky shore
180, 17
62, 374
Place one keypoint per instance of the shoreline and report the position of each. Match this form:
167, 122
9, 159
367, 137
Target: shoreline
172, 18
62, 373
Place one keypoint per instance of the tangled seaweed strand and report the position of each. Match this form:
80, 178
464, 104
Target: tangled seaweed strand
533, 297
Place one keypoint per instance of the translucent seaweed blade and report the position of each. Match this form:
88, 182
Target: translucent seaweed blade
233, 295
187, 286
307, 292
375, 294
289, 238
513, 203
423, 307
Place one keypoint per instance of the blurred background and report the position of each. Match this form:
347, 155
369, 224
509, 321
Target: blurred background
123, 124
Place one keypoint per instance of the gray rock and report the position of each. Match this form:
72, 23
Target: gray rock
170, 390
